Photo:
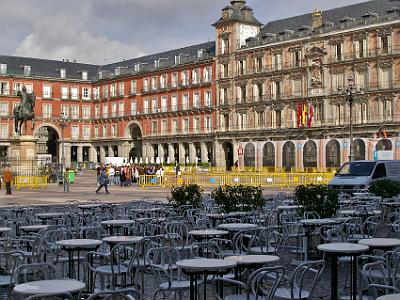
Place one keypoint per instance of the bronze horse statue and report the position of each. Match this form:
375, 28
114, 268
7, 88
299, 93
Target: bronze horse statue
24, 111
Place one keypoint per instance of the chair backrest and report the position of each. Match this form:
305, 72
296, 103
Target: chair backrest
311, 215
332, 233
370, 225
95, 233
123, 294
264, 282
36, 271
9, 261
306, 275
57, 296
208, 249
377, 273
375, 290
119, 253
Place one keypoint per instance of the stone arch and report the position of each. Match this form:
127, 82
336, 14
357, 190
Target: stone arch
134, 133
289, 156
384, 144
128, 128
48, 140
250, 155
332, 154
310, 155
359, 149
41, 125
228, 151
269, 155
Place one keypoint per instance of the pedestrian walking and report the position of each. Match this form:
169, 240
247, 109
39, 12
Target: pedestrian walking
7, 176
103, 181
111, 173
66, 180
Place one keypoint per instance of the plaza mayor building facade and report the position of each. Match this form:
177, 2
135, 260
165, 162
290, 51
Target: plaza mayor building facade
275, 95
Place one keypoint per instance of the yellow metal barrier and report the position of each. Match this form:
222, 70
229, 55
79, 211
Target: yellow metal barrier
31, 182
272, 180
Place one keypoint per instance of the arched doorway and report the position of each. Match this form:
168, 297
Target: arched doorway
384, 144
289, 156
48, 142
333, 154
310, 155
359, 149
228, 150
249, 155
269, 155
136, 136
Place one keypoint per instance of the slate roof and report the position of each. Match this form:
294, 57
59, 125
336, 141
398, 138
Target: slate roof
356, 11
50, 68
237, 13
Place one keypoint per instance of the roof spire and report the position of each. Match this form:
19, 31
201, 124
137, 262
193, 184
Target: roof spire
238, 3
317, 20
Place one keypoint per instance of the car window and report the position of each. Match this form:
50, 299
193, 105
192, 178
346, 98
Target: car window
380, 171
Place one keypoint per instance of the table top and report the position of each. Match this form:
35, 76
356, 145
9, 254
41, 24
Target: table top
33, 228
205, 264
122, 239
237, 226
389, 297
345, 248
49, 215
354, 212
117, 222
253, 259
380, 242
392, 204
79, 243
89, 206
317, 221
208, 232
5, 229
288, 207
49, 287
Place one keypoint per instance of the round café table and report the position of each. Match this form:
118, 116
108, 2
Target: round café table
203, 266
44, 217
49, 287
334, 250
237, 226
389, 297
206, 234
380, 243
33, 228
111, 224
4, 229
78, 245
113, 240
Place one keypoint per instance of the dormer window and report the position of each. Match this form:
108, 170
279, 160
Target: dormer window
156, 63
63, 73
117, 71
177, 59
84, 75
27, 70
136, 67
201, 53
3, 68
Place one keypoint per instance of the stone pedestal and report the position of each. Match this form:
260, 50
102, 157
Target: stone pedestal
24, 148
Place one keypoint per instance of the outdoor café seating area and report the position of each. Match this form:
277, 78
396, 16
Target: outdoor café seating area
152, 250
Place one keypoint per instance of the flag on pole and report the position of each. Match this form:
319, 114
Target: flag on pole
304, 115
299, 115
310, 114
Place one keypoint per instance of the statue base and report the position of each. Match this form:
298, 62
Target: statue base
24, 148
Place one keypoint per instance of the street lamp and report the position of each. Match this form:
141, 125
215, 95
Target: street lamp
63, 123
350, 93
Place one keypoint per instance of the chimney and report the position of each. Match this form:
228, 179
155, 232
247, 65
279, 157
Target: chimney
317, 19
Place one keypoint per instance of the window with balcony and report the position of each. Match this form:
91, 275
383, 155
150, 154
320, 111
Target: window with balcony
277, 121
74, 93
338, 52
17, 87
64, 93
196, 125
97, 111
185, 126
65, 110
174, 80
4, 131
114, 130
257, 92
121, 89
154, 127
74, 112
46, 110
337, 82
153, 83
96, 131
360, 48
114, 107
319, 114
75, 132
133, 86
164, 103
277, 61
185, 102
86, 132
96, 93
258, 64
146, 106
297, 87
207, 124
164, 127
185, 77
385, 44
224, 70
29, 87
242, 94
387, 110
207, 74
196, 100
385, 78
361, 80
133, 107
154, 105
146, 84
4, 109
174, 128
261, 119
207, 98
163, 81
105, 111
241, 67
195, 76
86, 93
113, 90
224, 45
174, 103
276, 89
296, 58
105, 131
105, 91
121, 108
86, 112
46, 91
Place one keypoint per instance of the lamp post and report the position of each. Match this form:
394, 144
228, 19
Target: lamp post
63, 123
350, 93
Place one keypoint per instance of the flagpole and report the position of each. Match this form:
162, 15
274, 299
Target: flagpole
350, 99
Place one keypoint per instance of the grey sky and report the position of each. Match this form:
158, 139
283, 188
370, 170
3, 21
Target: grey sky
105, 31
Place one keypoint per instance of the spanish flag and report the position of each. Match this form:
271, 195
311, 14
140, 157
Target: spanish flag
304, 115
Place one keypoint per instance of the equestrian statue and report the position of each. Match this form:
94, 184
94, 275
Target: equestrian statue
24, 111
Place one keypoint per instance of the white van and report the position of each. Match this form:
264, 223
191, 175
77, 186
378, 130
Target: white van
115, 161
359, 175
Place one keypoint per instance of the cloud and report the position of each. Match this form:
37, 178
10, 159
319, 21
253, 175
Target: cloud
58, 37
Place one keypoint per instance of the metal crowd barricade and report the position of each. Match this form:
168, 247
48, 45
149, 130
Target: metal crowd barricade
31, 182
209, 180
